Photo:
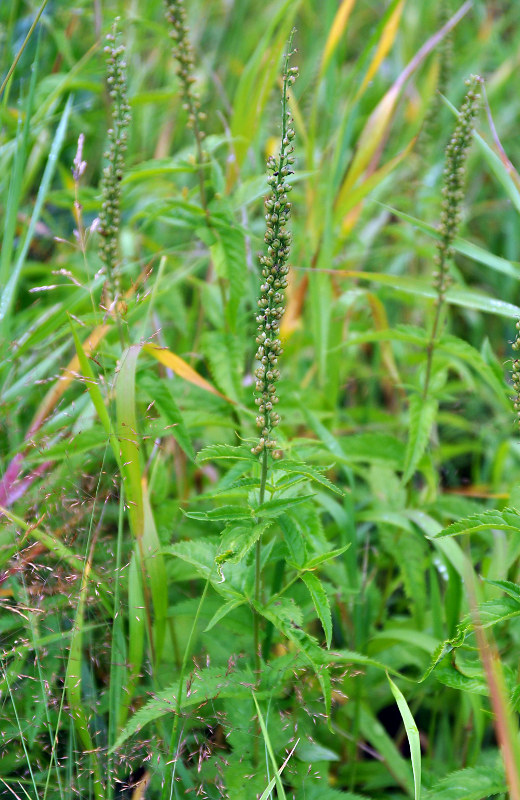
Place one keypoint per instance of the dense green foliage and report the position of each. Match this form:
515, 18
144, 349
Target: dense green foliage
189, 609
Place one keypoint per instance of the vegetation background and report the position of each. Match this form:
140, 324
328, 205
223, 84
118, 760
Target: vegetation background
173, 624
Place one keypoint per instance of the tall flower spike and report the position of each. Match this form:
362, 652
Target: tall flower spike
453, 189
453, 194
110, 215
176, 16
274, 274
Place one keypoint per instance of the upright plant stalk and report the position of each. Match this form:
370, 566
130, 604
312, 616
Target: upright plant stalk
271, 305
176, 16
453, 193
110, 215
430, 128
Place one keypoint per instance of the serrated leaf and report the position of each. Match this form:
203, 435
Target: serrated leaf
218, 451
205, 685
472, 783
229, 258
510, 588
449, 676
422, 416
224, 356
293, 539
463, 350
313, 474
237, 541
276, 614
273, 508
321, 603
322, 558
222, 513
223, 611
506, 520
200, 553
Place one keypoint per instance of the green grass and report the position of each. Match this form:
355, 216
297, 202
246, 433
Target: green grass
180, 617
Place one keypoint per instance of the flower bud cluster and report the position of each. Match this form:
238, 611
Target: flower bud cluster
110, 215
453, 189
274, 277
176, 16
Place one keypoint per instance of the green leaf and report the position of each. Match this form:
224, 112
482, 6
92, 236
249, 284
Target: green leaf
8, 293
229, 257
161, 394
322, 558
200, 553
215, 452
269, 747
465, 248
456, 295
473, 783
422, 416
413, 736
501, 172
222, 513
293, 539
204, 685
510, 588
223, 353
313, 474
223, 611
506, 520
279, 615
273, 508
237, 541
321, 603
449, 676
465, 352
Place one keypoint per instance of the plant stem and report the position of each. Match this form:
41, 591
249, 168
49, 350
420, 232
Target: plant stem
187, 652
258, 575
431, 346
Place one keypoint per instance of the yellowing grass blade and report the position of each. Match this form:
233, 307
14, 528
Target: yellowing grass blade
350, 203
376, 128
69, 374
182, 368
386, 41
336, 31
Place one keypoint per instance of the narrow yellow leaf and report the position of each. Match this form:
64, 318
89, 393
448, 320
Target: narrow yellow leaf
370, 138
69, 374
386, 41
350, 204
182, 368
336, 31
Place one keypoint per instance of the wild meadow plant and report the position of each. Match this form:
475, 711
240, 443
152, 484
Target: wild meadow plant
192, 609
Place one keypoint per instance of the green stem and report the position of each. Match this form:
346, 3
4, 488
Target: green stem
258, 575
173, 740
431, 345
